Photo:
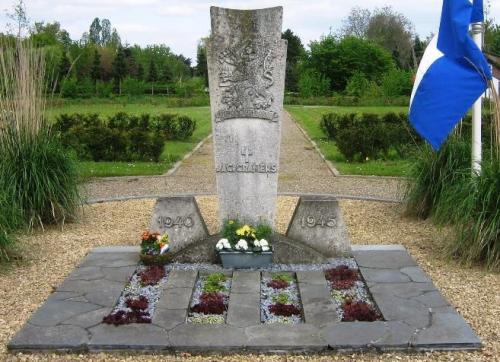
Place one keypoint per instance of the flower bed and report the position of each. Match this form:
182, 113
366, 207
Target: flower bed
138, 300
210, 299
350, 295
280, 299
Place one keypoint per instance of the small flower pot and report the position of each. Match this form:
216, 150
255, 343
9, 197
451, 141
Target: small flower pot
161, 259
245, 260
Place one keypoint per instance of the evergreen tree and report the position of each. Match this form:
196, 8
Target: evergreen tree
119, 69
152, 75
95, 31
295, 51
64, 67
105, 32
140, 72
96, 71
201, 60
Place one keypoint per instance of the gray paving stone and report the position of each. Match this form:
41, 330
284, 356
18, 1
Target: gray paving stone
416, 274
169, 318
243, 309
383, 275
63, 296
399, 309
368, 335
378, 248
110, 260
82, 287
89, 319
316, 277
117, 249
316, 300
54, 312
43, 338
87, 273
181, 279
245, 282
121, 274
432, 299
130, 336
447, 331
402, 290
274, 337
200, 337
175, 298
353, 334
396, 259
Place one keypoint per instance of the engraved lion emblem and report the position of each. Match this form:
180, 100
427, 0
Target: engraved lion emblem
246, 74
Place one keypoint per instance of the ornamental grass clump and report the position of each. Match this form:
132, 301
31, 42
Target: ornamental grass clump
40, 177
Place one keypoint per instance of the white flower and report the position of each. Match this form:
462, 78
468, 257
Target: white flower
263, 242
256, 243
219, 246
265, 248
242, 245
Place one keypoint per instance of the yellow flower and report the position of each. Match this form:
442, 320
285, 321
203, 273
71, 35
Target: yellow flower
231, 222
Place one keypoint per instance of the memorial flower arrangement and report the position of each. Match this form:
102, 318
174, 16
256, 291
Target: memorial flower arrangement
237, 236
154, 248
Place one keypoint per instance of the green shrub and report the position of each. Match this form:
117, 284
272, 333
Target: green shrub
133, 87
165, 125
184, 128
473, 205
69, 88
357, 85
397, 82
432, 173
313, 84
104, 89
10, 221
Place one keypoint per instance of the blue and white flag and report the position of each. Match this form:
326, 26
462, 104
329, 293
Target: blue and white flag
452, 75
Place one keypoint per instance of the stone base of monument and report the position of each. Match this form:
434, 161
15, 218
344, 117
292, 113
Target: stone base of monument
415, 316
316, 232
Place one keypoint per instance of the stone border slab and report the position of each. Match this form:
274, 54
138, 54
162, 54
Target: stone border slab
416, 316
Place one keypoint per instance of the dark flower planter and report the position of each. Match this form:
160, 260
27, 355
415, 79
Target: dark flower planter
156, 259
245, 260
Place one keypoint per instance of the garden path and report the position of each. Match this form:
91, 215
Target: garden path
301, 171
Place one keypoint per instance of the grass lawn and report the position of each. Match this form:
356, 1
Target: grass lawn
309, 117
173, 151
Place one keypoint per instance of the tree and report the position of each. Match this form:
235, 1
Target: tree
201, 61
419, 48
394, 32
356, 23
140, 72
115, 41
105, 32
19, 17
96, 68
119, 69
152, 75
339, 59
295, 52
64, 67
95, 32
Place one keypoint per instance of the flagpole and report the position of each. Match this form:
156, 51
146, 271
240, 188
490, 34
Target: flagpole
477, 35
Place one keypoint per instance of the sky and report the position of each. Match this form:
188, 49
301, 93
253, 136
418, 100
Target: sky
181, 23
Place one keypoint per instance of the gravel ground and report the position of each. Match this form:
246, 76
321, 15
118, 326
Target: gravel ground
51, 256
301, 171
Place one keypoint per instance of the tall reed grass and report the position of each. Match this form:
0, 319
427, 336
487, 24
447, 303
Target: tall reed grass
443, 186
38, 180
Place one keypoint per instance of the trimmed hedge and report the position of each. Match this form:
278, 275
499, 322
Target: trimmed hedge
370, 136
122, 137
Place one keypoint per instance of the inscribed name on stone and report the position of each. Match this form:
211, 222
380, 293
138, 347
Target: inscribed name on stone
246, 67
181, 219
318, 223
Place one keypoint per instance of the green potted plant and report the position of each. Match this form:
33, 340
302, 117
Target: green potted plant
154, 248
244, 245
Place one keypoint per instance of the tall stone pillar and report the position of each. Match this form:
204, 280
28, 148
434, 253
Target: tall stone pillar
246, 68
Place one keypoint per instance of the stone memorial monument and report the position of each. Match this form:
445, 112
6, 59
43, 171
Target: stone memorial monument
246, 68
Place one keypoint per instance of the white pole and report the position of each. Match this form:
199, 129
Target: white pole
477, 35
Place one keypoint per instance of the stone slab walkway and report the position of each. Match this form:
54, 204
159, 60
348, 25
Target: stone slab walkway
301, 171
416, 316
